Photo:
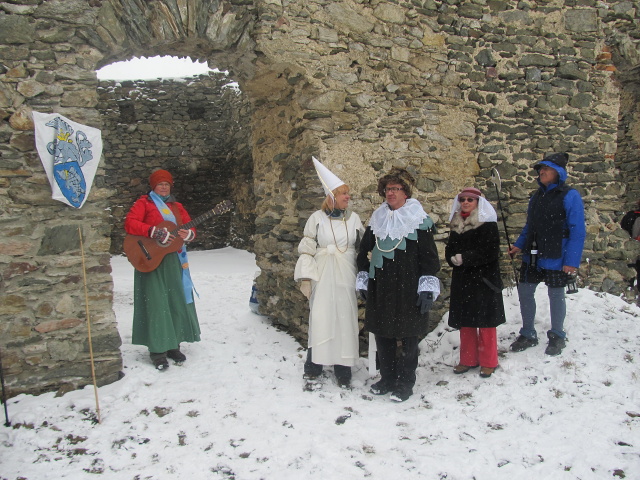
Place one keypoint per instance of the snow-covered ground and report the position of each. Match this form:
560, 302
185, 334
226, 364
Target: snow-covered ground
237, 408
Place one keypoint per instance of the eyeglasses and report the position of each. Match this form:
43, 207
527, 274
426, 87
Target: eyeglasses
393, 189
465, 199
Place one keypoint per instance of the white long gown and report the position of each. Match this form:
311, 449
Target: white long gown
333, 316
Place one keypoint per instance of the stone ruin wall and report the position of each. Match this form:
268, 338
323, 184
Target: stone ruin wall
196, 128
447, 89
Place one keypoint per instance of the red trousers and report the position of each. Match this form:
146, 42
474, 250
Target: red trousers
479, 346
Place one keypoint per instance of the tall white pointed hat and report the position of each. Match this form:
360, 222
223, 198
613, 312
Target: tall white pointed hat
329, 181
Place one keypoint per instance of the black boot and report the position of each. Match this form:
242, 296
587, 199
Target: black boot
311, 370
381, 387
159, 360
401, 393
343, 376
522, 343
177, 356
556, 344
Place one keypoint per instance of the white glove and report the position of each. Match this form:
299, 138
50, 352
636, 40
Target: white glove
362, 280
457, 259
305, 288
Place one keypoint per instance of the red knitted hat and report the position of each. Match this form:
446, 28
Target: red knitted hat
470, 192
160, 176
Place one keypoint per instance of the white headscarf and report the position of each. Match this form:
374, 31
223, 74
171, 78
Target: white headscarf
486, 212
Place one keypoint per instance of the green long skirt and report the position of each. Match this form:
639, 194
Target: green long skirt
161, 316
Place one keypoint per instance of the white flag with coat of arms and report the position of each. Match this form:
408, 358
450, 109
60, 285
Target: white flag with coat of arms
70, 153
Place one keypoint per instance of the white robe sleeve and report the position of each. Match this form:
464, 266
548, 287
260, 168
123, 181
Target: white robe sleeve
306, 267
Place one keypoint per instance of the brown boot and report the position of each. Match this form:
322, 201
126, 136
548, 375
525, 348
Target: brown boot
486, 372
458, 369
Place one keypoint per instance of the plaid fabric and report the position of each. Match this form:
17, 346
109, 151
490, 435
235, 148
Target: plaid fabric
551, 278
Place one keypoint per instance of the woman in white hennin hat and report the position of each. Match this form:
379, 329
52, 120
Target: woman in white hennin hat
476, 307
326, 270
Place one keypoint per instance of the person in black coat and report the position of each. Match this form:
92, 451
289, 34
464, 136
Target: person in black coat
476, 306
631, 223
397, 263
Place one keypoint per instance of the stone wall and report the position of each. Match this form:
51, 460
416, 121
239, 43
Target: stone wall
626, 56
197, 128
43, 321
447, 89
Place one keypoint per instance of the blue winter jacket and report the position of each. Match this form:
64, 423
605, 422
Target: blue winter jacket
573, 245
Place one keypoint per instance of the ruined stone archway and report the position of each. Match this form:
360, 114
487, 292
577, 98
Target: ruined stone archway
70, 40
64, 81
197, 128
447, 90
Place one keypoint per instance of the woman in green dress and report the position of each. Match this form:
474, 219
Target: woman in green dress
164, 312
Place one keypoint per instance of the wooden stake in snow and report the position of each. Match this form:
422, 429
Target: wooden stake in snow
86, 303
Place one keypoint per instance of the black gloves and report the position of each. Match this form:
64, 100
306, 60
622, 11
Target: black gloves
425, 302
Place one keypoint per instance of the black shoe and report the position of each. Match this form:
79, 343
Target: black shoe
344, 383
522, 343
312, 370
380, 388
556, 344
176, 355
159, 360
311, 374
401, 393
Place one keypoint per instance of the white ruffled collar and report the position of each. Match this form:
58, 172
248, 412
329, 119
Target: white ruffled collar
397, 223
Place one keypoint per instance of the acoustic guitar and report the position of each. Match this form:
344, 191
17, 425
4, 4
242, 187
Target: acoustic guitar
145, 254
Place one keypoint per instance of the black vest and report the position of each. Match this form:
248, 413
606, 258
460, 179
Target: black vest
546, 218
628, 220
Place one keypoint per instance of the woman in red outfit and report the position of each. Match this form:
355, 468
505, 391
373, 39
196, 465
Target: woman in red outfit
476, 306
164, 312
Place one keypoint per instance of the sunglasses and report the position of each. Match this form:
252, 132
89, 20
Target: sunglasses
466, 199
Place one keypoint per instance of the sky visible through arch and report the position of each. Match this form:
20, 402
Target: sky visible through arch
144, 68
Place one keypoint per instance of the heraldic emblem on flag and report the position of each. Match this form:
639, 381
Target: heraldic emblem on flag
70, 160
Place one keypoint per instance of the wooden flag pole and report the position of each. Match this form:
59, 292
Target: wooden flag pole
7, 423
86, 303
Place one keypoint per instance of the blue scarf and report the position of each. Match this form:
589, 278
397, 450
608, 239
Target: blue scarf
168, 215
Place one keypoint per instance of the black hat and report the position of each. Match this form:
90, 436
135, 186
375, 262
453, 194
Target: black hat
559, 159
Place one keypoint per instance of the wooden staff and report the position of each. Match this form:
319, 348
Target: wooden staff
86, 303
497, 181
7, 423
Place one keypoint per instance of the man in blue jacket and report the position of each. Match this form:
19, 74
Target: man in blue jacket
551, 241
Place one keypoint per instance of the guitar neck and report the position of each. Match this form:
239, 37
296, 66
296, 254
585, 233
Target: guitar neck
220, 208
194, 222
